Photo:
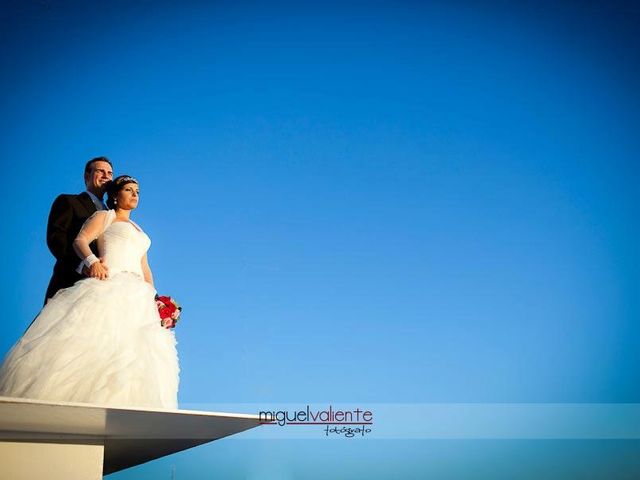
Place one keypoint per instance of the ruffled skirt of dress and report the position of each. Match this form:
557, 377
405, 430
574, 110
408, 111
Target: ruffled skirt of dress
97, 342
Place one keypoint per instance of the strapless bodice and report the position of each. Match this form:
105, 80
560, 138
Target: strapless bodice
122, 245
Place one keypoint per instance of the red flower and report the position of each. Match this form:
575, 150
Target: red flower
168, 310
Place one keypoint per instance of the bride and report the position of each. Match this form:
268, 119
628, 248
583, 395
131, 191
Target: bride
100, 341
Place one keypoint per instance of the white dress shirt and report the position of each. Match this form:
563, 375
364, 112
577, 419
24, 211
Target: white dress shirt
97, 202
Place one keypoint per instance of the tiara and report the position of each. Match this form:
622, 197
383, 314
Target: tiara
126, 179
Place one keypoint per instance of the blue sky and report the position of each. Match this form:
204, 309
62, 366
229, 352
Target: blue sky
368, 202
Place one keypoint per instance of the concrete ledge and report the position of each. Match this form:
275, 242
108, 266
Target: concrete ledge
130, 436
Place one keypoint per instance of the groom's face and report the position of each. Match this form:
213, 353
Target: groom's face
98, 176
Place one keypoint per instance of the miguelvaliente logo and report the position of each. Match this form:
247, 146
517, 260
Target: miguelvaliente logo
337, 418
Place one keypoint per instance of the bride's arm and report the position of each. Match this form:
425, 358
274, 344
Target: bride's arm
146, 270
91, 229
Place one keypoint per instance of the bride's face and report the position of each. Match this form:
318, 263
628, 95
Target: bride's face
128, 196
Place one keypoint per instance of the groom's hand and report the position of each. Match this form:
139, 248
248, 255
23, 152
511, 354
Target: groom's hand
99, 270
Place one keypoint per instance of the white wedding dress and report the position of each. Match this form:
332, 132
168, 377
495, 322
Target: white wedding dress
99, 341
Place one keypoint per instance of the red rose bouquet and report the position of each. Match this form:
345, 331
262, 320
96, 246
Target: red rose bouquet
169, 311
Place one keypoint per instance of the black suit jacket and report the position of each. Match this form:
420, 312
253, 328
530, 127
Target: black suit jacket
68, 214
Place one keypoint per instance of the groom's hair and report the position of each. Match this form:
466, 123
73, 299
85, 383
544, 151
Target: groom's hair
87, 167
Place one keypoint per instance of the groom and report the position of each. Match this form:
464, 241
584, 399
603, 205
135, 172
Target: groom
67, 215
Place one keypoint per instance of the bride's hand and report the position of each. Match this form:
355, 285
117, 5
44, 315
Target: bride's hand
99, 270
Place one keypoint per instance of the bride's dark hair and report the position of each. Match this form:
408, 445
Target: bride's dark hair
114, 186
